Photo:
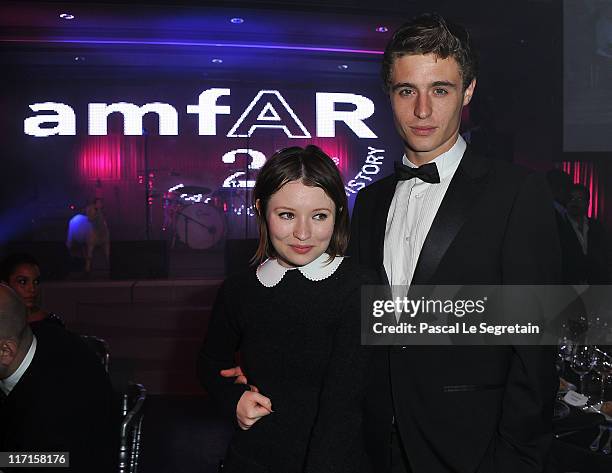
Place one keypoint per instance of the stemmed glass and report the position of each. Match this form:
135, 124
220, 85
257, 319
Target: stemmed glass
582, 362
603, 368
564, 353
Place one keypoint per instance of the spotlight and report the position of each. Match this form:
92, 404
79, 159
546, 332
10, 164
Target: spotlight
343, 67
79, 58
66, 16
217, 61
382, 29
237, 21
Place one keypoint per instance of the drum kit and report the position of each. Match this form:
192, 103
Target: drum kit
200, 218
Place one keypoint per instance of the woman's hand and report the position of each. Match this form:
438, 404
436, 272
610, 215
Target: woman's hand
235, 372
252, 406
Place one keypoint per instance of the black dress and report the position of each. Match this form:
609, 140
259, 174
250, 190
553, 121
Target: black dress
300, 345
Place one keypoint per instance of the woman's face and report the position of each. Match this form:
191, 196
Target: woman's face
25, 281
300, 223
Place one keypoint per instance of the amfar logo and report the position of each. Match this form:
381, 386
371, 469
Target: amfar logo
268, 109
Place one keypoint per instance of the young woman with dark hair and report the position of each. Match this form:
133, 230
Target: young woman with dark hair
296, 321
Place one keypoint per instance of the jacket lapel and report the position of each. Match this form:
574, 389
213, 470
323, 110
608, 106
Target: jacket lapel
464, 189
381, 210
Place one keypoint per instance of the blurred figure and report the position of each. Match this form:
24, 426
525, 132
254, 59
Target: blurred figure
89, 231
560, 184
21, 272
587, 255
54, 393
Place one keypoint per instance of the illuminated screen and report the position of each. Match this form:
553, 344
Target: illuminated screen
587, 76
71, 140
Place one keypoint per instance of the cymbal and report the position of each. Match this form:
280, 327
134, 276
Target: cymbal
192, 190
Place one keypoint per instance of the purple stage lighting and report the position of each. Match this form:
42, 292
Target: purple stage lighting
286, 47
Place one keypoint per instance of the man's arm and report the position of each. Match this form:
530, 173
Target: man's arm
530, 256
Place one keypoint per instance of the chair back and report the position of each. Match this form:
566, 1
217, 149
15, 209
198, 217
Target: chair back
99, 347
131, 427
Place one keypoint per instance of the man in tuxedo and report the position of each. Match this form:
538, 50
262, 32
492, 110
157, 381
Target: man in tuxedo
449, 216
55, 395
586, 255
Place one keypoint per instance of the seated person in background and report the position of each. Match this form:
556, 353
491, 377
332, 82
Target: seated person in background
54, 394
296, 321
22, 273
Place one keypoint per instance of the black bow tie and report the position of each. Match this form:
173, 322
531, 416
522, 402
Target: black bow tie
427, 172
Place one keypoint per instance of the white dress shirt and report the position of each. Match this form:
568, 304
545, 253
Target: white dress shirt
581, 233
412, 211
7, 384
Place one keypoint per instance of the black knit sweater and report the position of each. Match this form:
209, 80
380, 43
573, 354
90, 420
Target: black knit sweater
300, 345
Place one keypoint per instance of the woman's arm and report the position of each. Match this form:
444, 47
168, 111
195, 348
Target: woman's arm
218, 353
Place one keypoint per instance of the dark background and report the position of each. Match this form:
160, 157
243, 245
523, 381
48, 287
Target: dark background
158, 51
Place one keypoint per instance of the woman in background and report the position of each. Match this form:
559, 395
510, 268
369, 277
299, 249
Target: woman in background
22, 273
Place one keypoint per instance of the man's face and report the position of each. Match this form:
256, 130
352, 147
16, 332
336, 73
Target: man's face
578, 204
427, 97
8, 351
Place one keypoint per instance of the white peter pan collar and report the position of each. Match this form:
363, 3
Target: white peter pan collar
270, 272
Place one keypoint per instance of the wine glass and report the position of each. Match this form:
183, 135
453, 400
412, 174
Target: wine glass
582, 362
564, 354
603, 368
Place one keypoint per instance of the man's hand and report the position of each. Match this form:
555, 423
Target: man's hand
252, 406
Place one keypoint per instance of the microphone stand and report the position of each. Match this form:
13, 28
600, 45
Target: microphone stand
147, 182
246, 189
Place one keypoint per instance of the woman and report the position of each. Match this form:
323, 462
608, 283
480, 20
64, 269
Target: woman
22, 273
296, 321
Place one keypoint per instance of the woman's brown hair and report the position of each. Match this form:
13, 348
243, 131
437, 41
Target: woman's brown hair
313, 168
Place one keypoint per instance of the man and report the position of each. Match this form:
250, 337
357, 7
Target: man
55, 396
587, 256
448, 216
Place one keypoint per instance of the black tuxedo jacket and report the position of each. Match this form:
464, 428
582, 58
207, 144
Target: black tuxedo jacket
63, 402
466, 409
578, 268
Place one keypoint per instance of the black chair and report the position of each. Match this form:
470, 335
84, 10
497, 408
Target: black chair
99, 347
131, 427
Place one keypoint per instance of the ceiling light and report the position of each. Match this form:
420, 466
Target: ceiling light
343, 67
66, 16
79, 58
217, 61
237, 21
382, 29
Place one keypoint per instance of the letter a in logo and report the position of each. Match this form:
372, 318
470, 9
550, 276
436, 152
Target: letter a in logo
268, 110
